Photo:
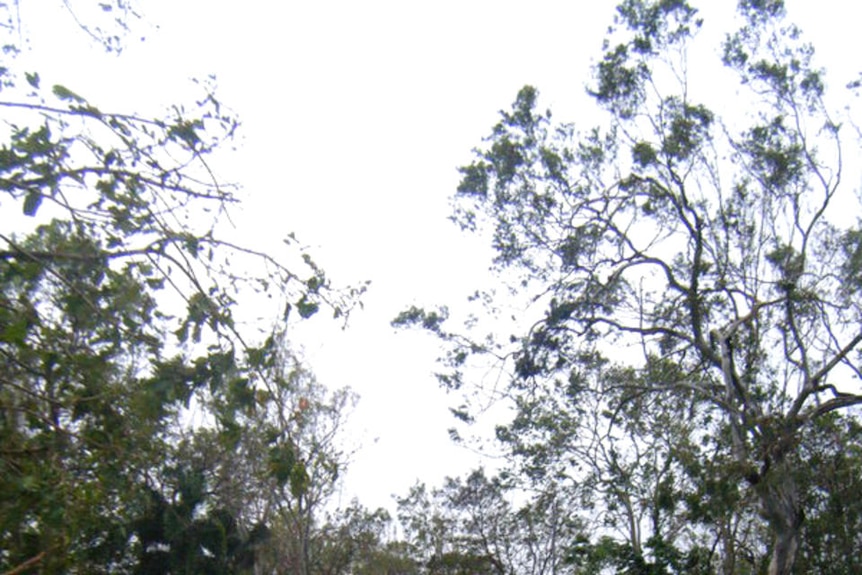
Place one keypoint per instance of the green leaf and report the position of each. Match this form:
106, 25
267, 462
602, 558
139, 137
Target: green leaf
186, 131
281, 463
15, 333
32, 202
32, 79
230, 433
306, 308
88, 110
299, 479
66, 94
241, 393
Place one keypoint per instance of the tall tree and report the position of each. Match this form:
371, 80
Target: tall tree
249, 489
700, 252
280, 458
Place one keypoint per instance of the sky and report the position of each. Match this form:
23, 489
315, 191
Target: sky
355, 116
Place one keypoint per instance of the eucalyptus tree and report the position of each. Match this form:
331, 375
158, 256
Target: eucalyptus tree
684, 251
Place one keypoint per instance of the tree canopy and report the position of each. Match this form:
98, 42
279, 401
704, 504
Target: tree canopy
682, 371
698, 275
117, 322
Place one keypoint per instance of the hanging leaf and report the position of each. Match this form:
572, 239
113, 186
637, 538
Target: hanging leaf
32, 79
66, 94
32, 201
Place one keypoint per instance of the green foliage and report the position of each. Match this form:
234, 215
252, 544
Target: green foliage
356, 540
275, 457
830, 471
117, 317
178, 534
471, 525
699, 305
432, 320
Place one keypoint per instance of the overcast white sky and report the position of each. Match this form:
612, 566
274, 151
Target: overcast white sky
355, 116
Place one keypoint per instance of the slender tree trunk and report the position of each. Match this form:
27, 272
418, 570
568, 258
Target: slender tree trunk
728, 561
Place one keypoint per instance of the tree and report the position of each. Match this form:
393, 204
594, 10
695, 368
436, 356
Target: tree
703, 259
471, 525
627, 475
280, 458
357, 541
183, 530
248, 492
117, 313
830, 474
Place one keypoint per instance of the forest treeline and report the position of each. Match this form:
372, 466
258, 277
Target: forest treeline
685, 400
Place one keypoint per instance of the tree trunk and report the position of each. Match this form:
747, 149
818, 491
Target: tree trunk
779, 498
728, 561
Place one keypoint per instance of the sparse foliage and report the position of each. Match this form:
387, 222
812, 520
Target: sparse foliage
694, 265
